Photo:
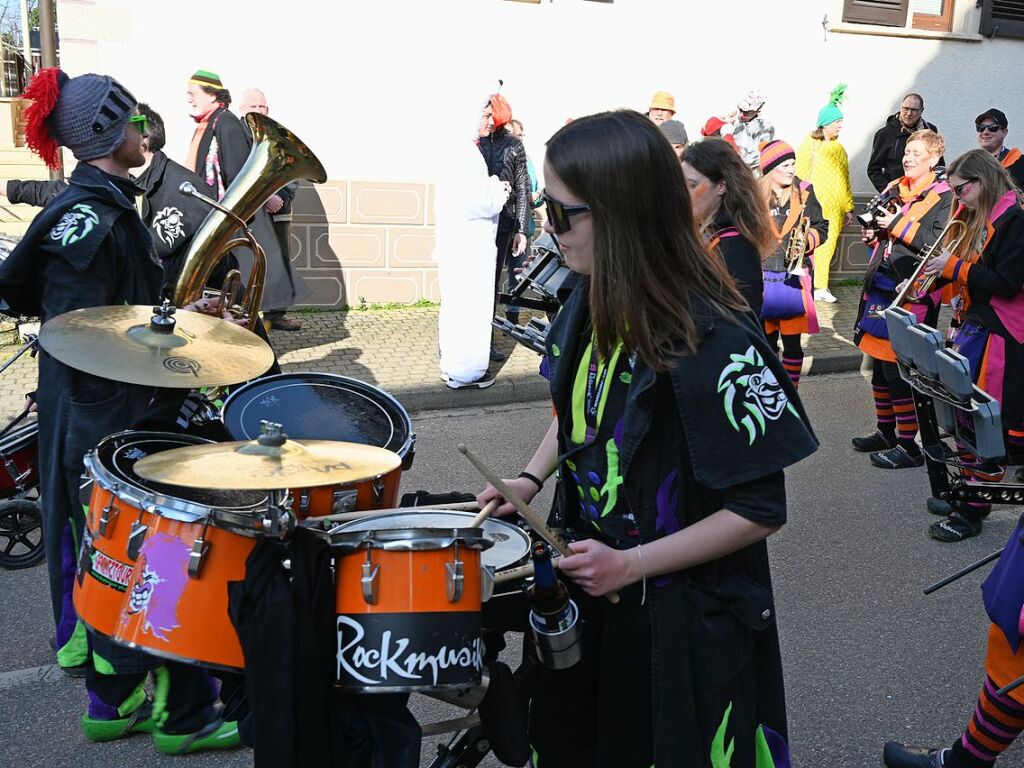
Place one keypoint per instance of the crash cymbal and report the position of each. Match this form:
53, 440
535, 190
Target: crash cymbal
248, 465
136, 345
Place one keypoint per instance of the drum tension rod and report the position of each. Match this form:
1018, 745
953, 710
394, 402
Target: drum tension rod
137, 535
370, 581
454, 577
109, 512
199, 549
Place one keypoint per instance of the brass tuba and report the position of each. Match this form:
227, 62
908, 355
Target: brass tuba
277, 157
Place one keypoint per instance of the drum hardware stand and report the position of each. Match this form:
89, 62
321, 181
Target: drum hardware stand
370, 581
279, 520
33, 345
535, 521
455, 578
451, 726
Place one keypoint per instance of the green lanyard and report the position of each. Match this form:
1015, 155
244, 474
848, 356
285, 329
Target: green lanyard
590, 392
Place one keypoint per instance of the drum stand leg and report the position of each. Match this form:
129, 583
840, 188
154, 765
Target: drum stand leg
466, 751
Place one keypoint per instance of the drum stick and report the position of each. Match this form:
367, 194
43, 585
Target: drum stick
963, 572
514, 574
485, 513
344, 517
535, 521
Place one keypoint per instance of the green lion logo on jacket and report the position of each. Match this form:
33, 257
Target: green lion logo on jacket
76, 224
751, 394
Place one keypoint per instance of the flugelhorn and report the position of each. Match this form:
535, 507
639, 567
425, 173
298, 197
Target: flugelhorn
798, 244
277, 157
911, 290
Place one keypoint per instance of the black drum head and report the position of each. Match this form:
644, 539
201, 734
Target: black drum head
320, 406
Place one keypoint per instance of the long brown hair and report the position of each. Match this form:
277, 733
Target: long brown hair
796, 196
743, 200
995, 181
650, 264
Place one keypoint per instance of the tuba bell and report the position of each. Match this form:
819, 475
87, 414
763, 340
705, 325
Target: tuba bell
277, 158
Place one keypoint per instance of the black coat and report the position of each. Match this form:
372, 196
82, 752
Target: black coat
886, 161
808, 206
505, 156
283, 287
714, 631
741, 258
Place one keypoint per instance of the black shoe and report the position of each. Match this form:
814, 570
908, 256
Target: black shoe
497, 355
895, 755
897, 458
482, 383
873, 442
954, 528
945, 509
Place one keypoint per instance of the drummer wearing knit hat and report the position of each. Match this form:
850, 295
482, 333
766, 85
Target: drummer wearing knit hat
662, 108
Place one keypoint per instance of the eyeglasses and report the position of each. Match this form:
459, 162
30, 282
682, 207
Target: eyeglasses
142, 122
560, 215
990, 127
911, 109
958, 190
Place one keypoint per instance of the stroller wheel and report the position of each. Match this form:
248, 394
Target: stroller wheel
21, 534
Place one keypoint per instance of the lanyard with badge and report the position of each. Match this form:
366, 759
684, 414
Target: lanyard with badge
590, 392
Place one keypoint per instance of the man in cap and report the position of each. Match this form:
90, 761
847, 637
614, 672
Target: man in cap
662, 108
675, 132
992, 128
87, 248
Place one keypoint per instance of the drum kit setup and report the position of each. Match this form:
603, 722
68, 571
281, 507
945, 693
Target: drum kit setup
173, 517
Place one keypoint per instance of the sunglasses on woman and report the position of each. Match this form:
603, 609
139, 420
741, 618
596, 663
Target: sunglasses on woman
958, 190
560, 215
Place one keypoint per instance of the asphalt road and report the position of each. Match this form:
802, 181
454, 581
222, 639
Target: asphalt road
867, 656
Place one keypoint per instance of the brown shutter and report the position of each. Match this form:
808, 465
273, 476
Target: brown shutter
1002, 18
887, 13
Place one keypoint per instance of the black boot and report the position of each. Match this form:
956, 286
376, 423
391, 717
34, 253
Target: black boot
876, 441
895, 755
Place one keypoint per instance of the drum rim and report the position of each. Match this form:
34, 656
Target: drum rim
319, 376
19, 438
162, 654
518, 532
404, 688
234, 519
409, 539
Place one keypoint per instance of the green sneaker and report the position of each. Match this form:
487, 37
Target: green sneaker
139, 721
220, 734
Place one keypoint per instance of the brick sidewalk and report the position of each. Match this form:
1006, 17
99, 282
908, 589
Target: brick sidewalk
396, 350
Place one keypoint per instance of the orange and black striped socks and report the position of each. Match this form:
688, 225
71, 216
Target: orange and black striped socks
884, 414
793, 366
997, 721
906, 422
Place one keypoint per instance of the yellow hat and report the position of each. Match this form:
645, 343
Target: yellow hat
663, 100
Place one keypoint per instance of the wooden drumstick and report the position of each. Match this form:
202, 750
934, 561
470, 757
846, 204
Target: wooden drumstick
345, 517
512, 574
535, 521
484, 513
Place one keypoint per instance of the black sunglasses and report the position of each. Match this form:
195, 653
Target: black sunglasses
959, 188
560, 215
990, 127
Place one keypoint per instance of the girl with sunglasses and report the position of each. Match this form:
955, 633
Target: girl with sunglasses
730, 213
658, 372
924, 203
986, 272
789, 301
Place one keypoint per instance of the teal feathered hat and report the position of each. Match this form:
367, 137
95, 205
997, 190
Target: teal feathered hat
831, 112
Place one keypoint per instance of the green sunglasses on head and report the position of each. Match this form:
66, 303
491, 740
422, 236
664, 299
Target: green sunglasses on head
142, 122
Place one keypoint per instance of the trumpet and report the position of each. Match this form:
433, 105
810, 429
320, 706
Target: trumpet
916, 288
797, 244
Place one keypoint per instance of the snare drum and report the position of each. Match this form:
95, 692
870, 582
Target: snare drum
408, 608
507, 609
323, 406
19, 453
156, 559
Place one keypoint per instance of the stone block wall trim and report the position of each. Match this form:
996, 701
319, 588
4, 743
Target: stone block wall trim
387, 203
410, 247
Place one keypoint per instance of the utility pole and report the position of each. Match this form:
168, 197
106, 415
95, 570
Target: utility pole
48, 53
26, 39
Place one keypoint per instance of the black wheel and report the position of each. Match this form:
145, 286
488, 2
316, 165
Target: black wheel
21, 534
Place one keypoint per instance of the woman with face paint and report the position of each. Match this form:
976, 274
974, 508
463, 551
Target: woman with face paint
730, 213
658, 371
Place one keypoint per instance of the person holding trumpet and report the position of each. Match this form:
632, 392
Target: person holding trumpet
897, 237
986, 272
658, 371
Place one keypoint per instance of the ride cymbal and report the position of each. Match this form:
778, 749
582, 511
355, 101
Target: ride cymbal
253, 465
156, 347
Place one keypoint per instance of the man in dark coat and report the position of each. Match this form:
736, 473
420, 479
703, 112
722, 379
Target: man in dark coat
886, 162
88, 247
219, 149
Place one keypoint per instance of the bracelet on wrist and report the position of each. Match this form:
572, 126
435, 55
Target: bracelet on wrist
533, 479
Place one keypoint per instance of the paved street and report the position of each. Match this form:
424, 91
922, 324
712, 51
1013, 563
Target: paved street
867, 656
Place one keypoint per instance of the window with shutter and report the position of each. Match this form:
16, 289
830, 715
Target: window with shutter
933, 14
1002, 18
886, 13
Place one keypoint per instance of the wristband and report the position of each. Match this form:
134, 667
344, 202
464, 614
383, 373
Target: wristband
533, 479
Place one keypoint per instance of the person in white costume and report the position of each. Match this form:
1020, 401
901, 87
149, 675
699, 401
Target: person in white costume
466, 206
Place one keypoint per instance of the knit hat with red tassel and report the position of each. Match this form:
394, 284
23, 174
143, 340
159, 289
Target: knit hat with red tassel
86, 114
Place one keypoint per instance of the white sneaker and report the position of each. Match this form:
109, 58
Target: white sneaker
482, 383
824, 294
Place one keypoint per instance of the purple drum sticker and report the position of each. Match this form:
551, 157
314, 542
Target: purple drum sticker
158, 583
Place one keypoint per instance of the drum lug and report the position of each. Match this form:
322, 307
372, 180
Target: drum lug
344, 501
303, 503
108, 513
196, 557
378, 490
135, 539
486, 583
371, 580
455, 578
